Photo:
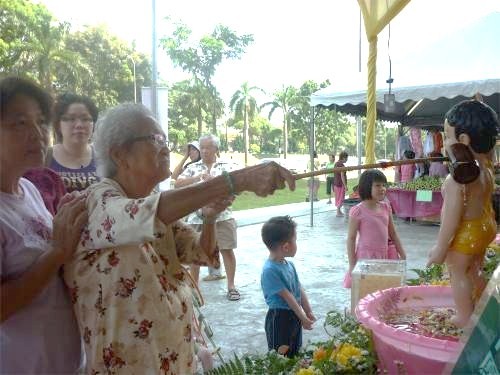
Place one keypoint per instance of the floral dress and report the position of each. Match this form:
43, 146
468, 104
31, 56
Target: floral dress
131, 295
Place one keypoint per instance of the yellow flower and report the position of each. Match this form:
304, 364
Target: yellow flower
342, 359
305, 371
319, 354
344, 353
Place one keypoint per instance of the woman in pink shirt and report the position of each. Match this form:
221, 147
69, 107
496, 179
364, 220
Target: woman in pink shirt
408, 170
370, 222
437, 168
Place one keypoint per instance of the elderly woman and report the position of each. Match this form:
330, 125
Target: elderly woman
131, 294
193, 153
38, 331
225, 226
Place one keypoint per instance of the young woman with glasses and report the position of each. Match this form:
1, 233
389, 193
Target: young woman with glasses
73, 156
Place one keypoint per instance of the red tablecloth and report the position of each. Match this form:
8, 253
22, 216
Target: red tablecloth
404, 203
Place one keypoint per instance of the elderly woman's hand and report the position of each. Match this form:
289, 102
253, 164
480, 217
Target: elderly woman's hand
68, 225
262, 179
212, 210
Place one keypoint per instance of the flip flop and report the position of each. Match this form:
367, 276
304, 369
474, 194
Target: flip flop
233, 295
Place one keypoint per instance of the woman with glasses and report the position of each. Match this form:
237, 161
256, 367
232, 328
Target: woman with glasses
132, 295
38, 331
72, 156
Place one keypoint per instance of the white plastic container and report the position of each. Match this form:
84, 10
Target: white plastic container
371, 275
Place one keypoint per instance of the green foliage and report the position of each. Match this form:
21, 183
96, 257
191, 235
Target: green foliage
424, 183
437, 275
247, 200
91, 62
244, 105
491, 262
33, 44
202, 58
238, 144
385, 139
283, 100
112, 61
265, 135
349, 351
431, 275
190, 106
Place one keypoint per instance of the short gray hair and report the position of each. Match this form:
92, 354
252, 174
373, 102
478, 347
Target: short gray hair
115, 128
211, 137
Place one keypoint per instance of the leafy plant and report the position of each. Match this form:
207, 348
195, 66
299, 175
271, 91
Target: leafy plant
349, 351
437, 275
430, 275
491, 262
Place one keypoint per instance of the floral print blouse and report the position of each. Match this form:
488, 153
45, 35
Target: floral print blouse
131, 295
198, 168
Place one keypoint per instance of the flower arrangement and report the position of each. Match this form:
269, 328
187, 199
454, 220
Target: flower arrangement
348, 351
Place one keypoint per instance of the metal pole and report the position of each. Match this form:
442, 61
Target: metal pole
311, 155
154, 94
359, 140
135, 81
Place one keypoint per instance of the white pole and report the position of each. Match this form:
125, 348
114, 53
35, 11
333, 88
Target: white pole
135, 81
359, 140
154, 94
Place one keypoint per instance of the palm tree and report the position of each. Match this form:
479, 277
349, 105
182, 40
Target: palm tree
244, 104
45, 54
195, 98
283, 100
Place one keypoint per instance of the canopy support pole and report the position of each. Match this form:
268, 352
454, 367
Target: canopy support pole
311, 156
359, 140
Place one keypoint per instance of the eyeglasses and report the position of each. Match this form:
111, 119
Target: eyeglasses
159, 140
75, 119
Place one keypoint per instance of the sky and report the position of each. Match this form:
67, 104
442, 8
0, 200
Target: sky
295, 40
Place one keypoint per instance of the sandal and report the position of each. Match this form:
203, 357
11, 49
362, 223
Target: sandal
233, 295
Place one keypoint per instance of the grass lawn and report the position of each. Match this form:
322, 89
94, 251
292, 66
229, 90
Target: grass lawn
247, 200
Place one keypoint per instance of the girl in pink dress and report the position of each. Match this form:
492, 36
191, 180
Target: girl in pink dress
372, 220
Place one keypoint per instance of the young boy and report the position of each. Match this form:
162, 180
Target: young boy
289, 308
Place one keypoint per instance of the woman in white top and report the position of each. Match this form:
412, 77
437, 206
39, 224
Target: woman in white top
38, 331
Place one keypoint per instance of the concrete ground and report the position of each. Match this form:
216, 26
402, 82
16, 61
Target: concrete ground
321, 262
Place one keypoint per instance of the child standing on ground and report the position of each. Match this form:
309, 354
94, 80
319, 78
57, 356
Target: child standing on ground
329, 177
340, 183
467, 219
289, 308
371, 223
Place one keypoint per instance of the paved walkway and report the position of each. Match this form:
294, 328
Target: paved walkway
321, 261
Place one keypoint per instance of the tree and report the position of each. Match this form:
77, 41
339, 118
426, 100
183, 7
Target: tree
189, 105
39, 51
91, 62
202, 59
17, 18
284, 100
112, 69
267, 135
243, 104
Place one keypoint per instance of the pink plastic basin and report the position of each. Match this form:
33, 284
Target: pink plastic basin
400, 351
